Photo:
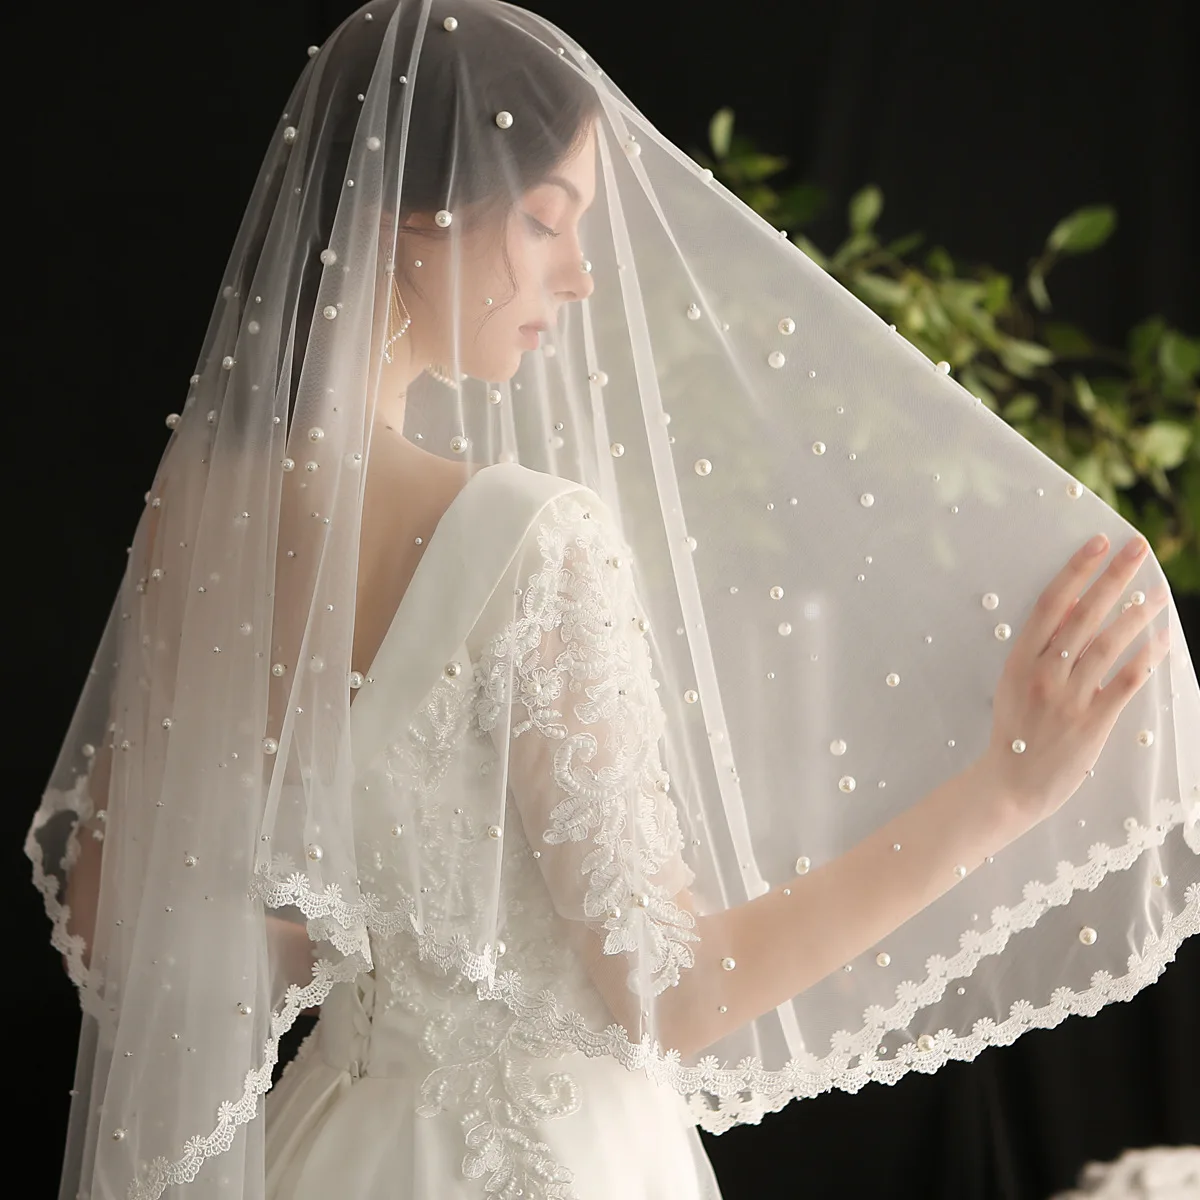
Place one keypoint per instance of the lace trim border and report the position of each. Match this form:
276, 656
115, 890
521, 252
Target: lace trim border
808, 1075
70, 946
770, 1090
160, 1173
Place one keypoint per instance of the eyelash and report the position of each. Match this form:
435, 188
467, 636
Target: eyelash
540, 229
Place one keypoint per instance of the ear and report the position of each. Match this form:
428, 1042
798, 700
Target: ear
420, 221
387, 230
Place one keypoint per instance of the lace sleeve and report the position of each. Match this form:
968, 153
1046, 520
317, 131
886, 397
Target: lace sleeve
570, 680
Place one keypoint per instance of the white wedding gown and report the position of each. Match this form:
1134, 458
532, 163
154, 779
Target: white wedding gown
412, 1088
345, 1122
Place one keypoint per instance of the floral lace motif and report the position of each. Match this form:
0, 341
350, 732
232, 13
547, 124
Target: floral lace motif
573, 645
484, 1053
481, 1054
71, 946
161, 1173
496, 1101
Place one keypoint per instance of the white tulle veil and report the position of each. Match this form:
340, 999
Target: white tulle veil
829, 544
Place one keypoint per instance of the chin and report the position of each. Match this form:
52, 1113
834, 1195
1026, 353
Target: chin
502, 370
498, 365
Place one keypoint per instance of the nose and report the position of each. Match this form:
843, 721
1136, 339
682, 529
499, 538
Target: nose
580, 285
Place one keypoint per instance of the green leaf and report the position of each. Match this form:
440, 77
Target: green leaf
937, 319
903, 245
1187, 480
976, 328
1021, 407
879, 290
811, 250
962, 294
1037, 291
1000, 380
1159, 481
1084, 394
997, 291
801, 203
971, 381
1089, 472
853, 247
1022, 357
756, 166
1143, 344
740, 146
963, 300
1067, 341
865, 207
720, 130
1083, 230
1120, 473
939, 262
1179, 356
759, 197
1111, 417
1112, 390
1165, 443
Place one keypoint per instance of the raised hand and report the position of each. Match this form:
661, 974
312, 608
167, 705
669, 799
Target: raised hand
1052, 712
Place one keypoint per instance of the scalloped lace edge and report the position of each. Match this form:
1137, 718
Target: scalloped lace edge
807, 1075
161, 1172
800, 1078
70, 946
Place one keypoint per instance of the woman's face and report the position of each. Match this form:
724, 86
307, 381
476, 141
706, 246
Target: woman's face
458, 275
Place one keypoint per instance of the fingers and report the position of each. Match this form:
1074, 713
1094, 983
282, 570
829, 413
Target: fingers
1056, 601
1132, 677
1105, 648
1088, 614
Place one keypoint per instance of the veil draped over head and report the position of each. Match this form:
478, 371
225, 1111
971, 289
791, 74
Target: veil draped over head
768, 617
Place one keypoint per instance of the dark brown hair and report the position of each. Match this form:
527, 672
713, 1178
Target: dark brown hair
455, 157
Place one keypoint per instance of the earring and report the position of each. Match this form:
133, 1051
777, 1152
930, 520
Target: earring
396, 313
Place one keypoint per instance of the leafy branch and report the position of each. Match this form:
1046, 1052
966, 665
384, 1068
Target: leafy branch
1124, 422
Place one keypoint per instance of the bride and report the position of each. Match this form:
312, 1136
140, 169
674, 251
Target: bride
580, 650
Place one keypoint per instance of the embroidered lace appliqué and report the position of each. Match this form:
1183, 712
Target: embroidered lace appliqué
485, 1081
573, 647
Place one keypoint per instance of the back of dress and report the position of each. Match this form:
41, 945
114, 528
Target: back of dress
509, 786
471, 1055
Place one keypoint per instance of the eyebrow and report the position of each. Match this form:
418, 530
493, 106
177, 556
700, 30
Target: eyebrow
566, 185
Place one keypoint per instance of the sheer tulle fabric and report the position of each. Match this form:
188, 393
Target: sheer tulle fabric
745, 594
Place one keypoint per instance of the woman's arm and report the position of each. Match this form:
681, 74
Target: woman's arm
790, 938
787, 939
584, 770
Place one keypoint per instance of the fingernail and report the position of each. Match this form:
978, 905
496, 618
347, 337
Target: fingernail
1135, 547
1096, 544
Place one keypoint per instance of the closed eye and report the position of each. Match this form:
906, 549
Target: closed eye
538, 228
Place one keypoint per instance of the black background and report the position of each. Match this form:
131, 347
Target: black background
133, 136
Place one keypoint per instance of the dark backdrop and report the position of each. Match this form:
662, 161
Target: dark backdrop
133, 135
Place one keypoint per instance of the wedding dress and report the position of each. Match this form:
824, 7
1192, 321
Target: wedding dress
411, 1087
